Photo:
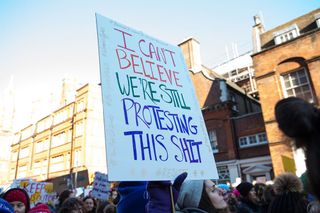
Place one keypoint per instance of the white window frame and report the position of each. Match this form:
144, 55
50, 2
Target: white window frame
317, 17
224, 174
24, 152
213, 140
292, 87
246, 142
22, 171
57, 163
77, 158
58, 139
286, 34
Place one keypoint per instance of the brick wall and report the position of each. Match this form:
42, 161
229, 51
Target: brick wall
269, 65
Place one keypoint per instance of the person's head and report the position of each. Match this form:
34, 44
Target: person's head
106, 207
288, 195
72, 205
40, 208
247, 191
203, 195
114, 196
5, 207
111, 208
300, 120
212, 198
89, 203
19, 200
65, 194
268, 194
259, 189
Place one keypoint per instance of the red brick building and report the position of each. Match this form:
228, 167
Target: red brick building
233, 120
286, 61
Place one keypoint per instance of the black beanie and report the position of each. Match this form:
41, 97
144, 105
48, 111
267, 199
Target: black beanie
244, 188
290, 202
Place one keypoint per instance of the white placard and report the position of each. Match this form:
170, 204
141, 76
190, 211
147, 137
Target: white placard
39, 192
153, 123
101, 186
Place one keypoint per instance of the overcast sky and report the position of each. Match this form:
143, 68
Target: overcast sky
41, 40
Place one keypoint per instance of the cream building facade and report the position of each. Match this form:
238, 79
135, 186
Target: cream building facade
65, 143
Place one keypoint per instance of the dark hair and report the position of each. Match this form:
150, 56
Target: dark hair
206, 204
290, 202
268, 194
300, 120
70, 204
94, 202
259, 189
89, 197
64, 195
106, 205
111, 208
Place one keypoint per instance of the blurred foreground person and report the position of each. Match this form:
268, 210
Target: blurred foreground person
133, 196
288, 195
5, 207
300, 120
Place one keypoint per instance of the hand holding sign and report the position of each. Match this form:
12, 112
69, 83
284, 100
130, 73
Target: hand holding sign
161, 200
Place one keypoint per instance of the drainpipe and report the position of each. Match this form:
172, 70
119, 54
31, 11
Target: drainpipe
72, 142
18, 155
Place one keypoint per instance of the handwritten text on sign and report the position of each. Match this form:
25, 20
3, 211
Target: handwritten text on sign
154, 127
101, 186
39, 192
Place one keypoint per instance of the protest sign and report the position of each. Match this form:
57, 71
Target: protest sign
39, 192
153, 123
101, 186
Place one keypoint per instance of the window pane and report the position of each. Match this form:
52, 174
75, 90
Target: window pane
262, 138
301, 73
295, 81
290, 92
286, 78
305, 88
287, 84
303, 80
252, 140
243, 141
298, 91
213, 140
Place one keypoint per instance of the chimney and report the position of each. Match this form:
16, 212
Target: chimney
191, 52
257, 30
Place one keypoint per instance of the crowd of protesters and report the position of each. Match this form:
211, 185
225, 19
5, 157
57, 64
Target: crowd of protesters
17, 200
287, 193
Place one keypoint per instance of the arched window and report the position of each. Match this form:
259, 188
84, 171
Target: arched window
297, 84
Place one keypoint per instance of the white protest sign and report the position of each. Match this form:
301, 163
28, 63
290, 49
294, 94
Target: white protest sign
153, 123
101, 186
39, 192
